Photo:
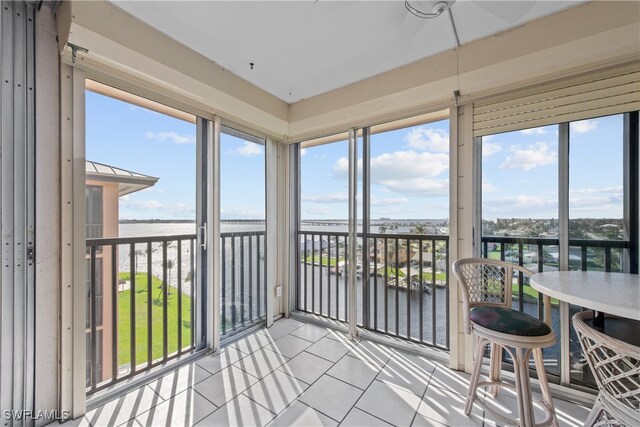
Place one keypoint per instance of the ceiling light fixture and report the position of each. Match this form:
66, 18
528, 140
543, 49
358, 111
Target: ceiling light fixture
427, 9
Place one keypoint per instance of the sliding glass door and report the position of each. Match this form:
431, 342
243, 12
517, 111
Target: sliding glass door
400, 262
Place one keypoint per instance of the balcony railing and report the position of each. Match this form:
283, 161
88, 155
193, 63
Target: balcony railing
584, 254
141, 299
243, 280
145, 292
402, 287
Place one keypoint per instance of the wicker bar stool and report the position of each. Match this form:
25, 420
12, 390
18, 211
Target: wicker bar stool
486, 287
616, 368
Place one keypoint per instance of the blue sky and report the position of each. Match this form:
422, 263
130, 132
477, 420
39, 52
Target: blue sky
520, 171
134, 138
409, 175
409, 169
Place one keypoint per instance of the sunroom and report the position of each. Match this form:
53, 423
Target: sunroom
346, 164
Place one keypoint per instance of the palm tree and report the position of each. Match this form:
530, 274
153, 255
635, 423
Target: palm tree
419, 229
139, 252
168, 264
169, 267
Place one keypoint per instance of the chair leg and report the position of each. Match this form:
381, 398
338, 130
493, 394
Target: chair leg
544, 384
495, 368
523, 387
475, 376
595, 414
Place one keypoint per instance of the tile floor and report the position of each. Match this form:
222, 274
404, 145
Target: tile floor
297, 374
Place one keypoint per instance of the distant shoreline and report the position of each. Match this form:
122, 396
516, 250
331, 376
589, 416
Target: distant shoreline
157, 221
190, 221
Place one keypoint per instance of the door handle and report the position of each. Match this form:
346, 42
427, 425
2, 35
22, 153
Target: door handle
204, 237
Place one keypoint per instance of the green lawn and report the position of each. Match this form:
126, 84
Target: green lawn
391, 272
531, 294
124, 319
326, 261
427, 275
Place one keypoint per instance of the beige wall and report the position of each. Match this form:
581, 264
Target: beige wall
110, 230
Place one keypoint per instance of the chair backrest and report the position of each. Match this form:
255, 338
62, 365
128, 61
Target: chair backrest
485, 282
616, 368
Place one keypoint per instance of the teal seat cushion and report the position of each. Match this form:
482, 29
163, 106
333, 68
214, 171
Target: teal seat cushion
508, 321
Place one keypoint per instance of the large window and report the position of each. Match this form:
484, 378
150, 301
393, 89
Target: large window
410, 179
243, 221
520, 185
324, 214
523, 177
409, 227
140, 185
520, 203
401, 264
324, 186
596, 189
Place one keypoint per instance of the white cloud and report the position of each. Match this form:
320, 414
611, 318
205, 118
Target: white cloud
303, 152
597, 202
603, 202
171, 137
534, 131
490, 148
533, 156
419, 186
604, 190
487, 187
341, 168
584, 126
423, 138
404, 172
408, 164
325, 198
249, 149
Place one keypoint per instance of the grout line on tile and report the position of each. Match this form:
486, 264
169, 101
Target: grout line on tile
317, 379
256, 402
204, 397
319, 411
374, 380
271, 371
371, 415
415, 414
343, 381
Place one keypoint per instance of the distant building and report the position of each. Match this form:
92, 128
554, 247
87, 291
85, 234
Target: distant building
104, 186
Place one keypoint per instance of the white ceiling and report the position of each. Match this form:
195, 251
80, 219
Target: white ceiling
305, 48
